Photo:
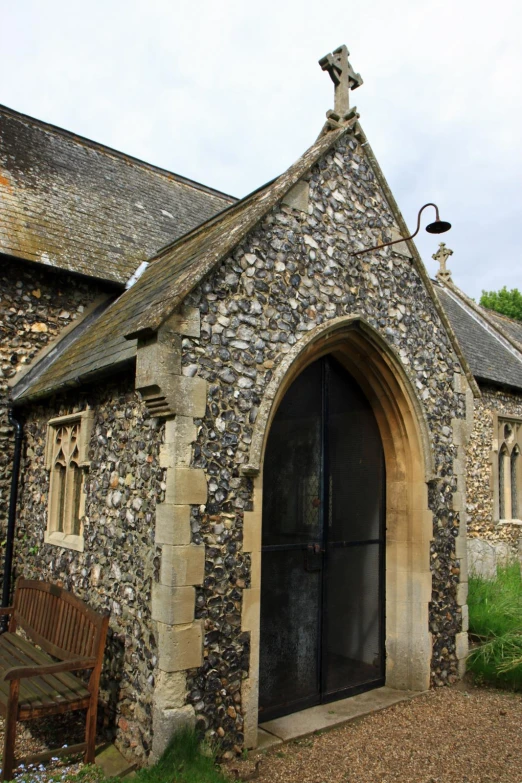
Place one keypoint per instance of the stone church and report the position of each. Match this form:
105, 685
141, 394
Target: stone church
254, 439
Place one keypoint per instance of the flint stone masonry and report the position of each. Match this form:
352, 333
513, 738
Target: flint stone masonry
36, 304
481, 464
115, 572
291, 274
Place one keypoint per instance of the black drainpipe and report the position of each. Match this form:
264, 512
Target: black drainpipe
11, 519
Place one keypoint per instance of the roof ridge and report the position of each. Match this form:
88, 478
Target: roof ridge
104, 148
476, 312
483, 312
502, 315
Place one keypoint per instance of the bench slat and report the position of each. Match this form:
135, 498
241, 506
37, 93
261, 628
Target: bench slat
37, 692
34, 691
50, 690
70, 685
7, 659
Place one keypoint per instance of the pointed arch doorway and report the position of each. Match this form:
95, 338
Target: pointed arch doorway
322, 631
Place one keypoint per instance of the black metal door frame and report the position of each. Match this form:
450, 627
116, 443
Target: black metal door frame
319, 552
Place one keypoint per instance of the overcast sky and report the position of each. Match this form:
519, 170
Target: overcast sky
229, 92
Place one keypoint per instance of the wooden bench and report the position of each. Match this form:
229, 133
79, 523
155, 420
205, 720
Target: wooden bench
32, 682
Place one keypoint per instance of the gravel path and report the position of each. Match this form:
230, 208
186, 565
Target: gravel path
445, 736
36, 736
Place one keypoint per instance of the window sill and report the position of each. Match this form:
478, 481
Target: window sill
509, 522
65, 540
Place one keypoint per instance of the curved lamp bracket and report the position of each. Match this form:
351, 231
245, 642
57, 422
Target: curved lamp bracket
437, 227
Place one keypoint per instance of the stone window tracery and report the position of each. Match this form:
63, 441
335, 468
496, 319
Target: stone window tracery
509, 476
66, 459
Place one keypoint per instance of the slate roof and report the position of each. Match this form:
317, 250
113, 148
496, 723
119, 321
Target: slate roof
169, 277
489, 355
74, 204
508, 325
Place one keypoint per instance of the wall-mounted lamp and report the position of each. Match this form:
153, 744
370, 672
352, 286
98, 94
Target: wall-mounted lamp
437, 227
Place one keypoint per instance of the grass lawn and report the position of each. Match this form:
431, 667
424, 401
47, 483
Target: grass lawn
495, 623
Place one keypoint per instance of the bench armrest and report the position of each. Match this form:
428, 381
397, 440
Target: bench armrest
6, 610
22, 672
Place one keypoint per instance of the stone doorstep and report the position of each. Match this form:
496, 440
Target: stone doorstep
327, 716
113, 763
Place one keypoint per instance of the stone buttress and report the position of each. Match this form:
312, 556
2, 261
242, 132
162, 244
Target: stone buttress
179, 399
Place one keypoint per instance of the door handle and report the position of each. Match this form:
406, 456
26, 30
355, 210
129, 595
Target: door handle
313, 559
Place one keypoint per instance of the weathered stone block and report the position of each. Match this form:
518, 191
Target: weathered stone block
459, 383
155, 361
180, 647
408, 662
250, 608
170, 690
409, 586
400, 247
461, 547
458, 501
459, 465
252, 530
172, 524
180, 433
187, 396
402, 616
166, 723
255, 570
404, 556
465, 618
461, 645
462, 593
158, 378
460, 432
187, 321
182, 565
186, 486
173, 605
298, 197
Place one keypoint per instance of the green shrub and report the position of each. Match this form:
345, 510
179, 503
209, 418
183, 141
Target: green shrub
183, 762
495, 622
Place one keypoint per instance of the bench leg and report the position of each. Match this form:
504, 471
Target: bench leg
90, 731
10, 731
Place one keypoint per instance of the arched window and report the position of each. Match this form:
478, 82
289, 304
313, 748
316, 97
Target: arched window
67, 442
504, 483
509, 478
515, 470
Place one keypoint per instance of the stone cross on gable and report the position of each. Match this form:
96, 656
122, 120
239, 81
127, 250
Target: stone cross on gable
442, 255
343, 77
